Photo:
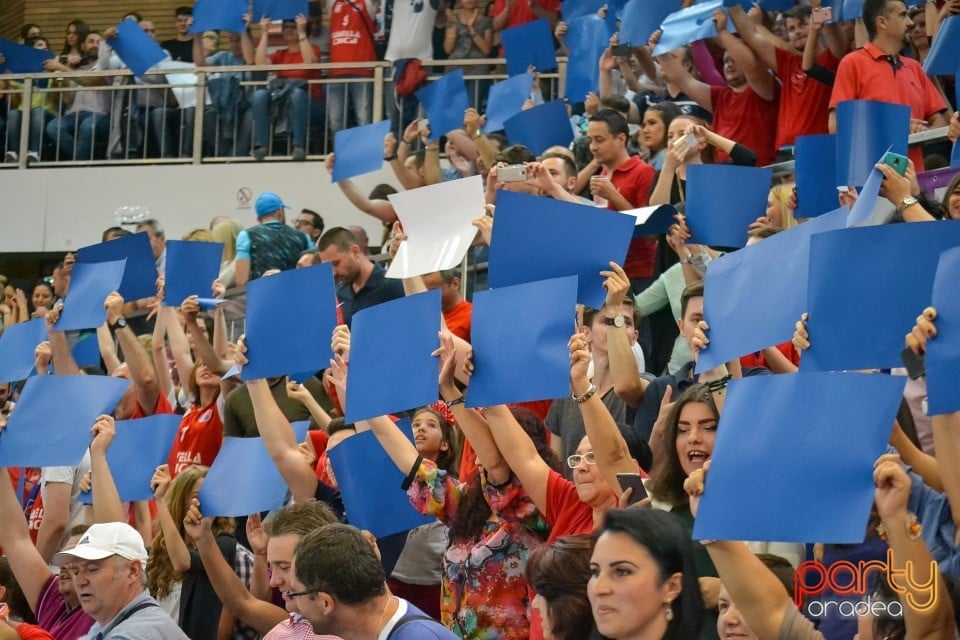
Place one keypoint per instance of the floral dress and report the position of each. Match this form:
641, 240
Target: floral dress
484, 591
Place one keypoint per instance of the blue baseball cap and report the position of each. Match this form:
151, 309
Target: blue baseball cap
269, 202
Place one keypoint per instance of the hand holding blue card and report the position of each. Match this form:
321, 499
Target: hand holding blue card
90, 284
770, 467
520, 337
140, 276
225, 15
541, 127
444, 101
359, 150
191, 269
722, 201
573, 239
17, 345
688, 25
401, 355
57, 412
19, 58
943, 351
371, 486
137, 50
506, 99
529, 45
276, 347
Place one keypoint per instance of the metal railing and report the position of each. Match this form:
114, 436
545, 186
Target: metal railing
179, 116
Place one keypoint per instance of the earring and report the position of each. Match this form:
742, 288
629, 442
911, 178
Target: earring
668, 614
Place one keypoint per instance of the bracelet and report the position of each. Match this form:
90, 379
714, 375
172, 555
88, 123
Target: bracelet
586, 396
718, 385
456, 401
406, 142
913, 526
390, 158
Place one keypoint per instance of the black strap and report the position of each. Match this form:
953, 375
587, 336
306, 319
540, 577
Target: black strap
127, 614
404, 620
363, 19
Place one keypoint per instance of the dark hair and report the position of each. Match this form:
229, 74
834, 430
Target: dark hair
799, 12
569, 167
338, 236
133, 14
17, 602
293, 23
873, 9
498, 138
316, 218
616, 123
42, 283
155, 227
25, 30
448, 460
117, 232
668, 475
183, 11
516, 154
82, 29
590, 313
336, 559
299, 519
616, 102
78, 530
953, 186
473, 509
668, 111
692, 290
559, 573
339, 424
381, 191
780, 567
314, 255
669, 546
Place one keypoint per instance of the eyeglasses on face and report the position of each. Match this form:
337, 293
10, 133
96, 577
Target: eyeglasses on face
302, 223
574, 461
298, 594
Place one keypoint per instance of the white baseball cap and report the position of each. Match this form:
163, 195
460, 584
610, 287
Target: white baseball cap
105, 540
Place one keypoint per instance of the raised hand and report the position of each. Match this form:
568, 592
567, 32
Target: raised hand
160, 482
924, 330
103, 432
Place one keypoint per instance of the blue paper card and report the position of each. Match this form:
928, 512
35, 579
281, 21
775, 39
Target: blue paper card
659, 221
17, 345
529, 45
868, 210
444, 101
572, 9
86, 353
955, 156
401, 355
943, 352
280, 9
22, 59
290, 318
371, 486
139, 447
243, 479
506, 99
587, 37
865, 130
944, 56
881, 276
209, 304
687, 26
190, 270
140, 276
219, 15
90, 284
816, 172
573, 239
722, 201
359, 150
541, 127
137, 50
57, 412
771, 427
520, 337
642, 17
753, 297
768, 5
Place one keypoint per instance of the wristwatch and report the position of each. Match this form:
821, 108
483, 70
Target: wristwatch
119, 324
390, 158
908, 202
618, 321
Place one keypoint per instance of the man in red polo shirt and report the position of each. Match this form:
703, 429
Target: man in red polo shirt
804, 102
624, 183
879, 72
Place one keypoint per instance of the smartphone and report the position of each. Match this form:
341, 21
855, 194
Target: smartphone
423, 125
635, 482
897, 162
622, 49
822, 15
62, 59
512, 173
685, 142
916, 365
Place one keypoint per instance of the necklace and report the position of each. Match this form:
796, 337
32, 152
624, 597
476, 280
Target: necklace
383, 614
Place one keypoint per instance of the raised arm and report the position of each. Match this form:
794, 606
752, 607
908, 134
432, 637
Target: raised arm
520, 453
260, 55
106, 500
380, 209
108, 351
761, 41
63, 362
158, 349
28, 566
627, 382
205, 351
301, 394
175, 546
759, 79
142, 371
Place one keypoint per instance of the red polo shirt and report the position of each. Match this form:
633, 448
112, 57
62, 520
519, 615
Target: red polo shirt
867, 74
804, 102
748, 119
634, 179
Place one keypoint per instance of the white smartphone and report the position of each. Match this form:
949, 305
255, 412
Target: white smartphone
512, 173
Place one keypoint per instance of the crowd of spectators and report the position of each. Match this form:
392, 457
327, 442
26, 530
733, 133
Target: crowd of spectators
535, 529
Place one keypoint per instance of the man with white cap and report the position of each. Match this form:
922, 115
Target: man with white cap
107, 569
271, 244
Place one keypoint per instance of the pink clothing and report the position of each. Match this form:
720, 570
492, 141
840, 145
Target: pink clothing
54, 616
296, 628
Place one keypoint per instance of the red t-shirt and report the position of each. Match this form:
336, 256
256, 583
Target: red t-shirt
198, 439
566, 513
458, 319
867, 74
31, 499
521, 13
804, 102
758, 359
285, 56
351, 36
162, 408
747, 119
634, 179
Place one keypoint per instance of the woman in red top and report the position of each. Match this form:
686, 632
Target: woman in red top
201, 429
302, 108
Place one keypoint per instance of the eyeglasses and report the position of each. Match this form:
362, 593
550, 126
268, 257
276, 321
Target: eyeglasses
574, 461
212, 37
302, 223
297, 594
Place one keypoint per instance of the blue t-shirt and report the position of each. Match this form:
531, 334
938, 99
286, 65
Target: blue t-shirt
414, 629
